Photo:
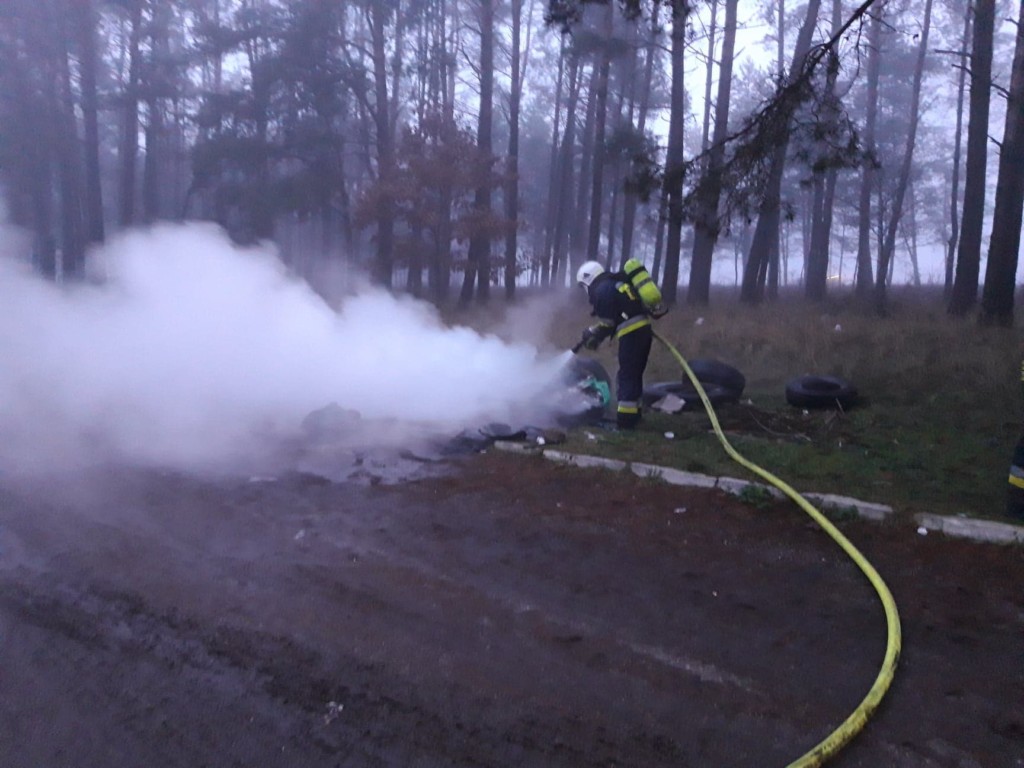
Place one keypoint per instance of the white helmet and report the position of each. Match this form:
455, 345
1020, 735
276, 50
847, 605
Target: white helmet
588, 272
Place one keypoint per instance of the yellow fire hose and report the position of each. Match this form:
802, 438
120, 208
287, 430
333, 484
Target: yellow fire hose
857, 719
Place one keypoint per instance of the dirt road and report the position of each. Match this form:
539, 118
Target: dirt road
507, 613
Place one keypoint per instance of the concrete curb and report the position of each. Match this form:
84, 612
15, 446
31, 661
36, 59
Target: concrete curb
988, 531
672, 476
582, 460
970, 528
528, 449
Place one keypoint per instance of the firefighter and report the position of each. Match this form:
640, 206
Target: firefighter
620, 313
1015, 495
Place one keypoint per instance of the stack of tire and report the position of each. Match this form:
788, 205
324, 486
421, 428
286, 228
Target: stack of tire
721, 382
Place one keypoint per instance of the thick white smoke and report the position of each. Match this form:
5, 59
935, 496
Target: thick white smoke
192, 350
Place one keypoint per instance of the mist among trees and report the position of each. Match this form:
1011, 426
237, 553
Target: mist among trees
463, 150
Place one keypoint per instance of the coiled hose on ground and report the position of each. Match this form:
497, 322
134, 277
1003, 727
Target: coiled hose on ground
857, 719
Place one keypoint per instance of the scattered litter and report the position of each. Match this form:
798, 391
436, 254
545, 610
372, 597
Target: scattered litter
699, 321
679, 510
838, 328
714, 593
541, 441
300, 535
669, 435
922, 530
590, 435
669, 404
333, 712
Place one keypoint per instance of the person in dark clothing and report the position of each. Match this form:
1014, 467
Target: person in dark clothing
620, 313
1015, 491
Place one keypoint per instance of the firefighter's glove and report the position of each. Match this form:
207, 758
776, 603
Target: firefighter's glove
591, 338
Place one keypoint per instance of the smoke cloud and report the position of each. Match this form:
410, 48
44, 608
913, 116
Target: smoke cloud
192, 352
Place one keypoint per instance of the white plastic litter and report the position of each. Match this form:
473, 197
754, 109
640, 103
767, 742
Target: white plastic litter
669, 435
699, 321
669, 404
334, 710
923, 531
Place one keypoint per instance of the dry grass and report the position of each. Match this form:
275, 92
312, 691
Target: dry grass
942, 397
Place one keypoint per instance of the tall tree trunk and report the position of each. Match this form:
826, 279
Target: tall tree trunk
968, 262
69, 163
816, 283
705, 136
954, 195
153, 160
130, 128
600, 120
554, 175
909, 227
865, 280
673, 191
563, 202
706, 225
1004, 245
512, 185
384, 263
85, 21
578, 231
630, 204
765, 244
440, 267
151, 163
479, 261
885, 257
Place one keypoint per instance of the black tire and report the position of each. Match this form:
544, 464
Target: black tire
580, 369
821, 392
717, 394
594, 384
722, 383
716, 372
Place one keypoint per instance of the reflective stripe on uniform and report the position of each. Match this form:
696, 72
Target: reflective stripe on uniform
629, 406
631, 324
1016, 474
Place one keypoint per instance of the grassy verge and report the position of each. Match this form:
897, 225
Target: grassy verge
941, 400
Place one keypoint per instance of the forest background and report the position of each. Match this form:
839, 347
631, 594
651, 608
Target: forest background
448, 147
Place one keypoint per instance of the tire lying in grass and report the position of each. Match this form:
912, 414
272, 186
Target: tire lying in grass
821, 392
722, 383
717, 394
717, 372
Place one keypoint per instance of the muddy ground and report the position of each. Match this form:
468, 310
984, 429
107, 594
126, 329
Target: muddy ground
506, 612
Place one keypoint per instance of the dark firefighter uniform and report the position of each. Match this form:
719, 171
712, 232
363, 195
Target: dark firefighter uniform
1015, 496
621, 314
